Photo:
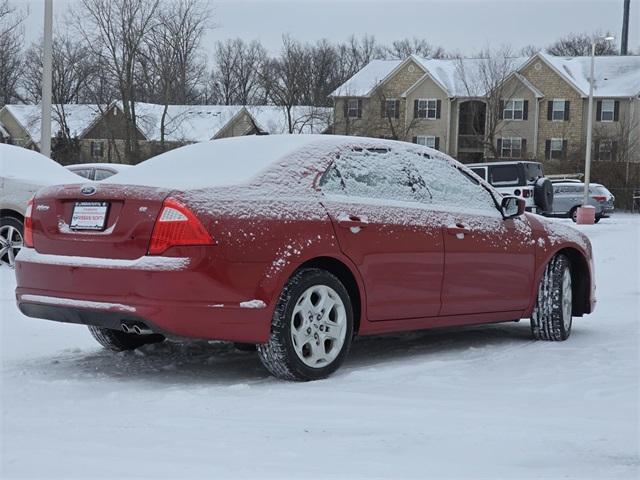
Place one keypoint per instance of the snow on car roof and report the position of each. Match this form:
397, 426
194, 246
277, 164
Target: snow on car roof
223, 162
22, 164
616, 76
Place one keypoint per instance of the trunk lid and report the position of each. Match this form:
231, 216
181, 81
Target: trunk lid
130, 216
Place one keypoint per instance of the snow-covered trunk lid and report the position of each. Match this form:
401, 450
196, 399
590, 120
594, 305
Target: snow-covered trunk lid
96, 220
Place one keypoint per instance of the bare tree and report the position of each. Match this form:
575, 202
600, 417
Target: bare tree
579, 44
114, 31
484, 79
11, 38
401, 49
284, 77
172, 66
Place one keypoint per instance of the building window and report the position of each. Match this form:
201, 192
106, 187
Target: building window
391, 106
354, 108
427, 140
558, 111
427, 108
97, 149
556, 148
605, 150
511, 148
608, 109
513, 110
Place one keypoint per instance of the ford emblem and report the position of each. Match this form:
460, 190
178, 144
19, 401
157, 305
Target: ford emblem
88, 190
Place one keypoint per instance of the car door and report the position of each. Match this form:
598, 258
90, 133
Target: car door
489, 261
372, 197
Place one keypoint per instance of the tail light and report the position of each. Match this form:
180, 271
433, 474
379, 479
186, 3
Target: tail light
176, 225
527, 193
599, 198
28, 225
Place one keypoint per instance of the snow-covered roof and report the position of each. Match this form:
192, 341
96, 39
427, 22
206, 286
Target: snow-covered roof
367, 78
184, 123
615, 76
306, 119
459, 77
78, 117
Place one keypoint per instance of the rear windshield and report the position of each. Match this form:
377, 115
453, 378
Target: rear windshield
505, 175
599, 190
532, 171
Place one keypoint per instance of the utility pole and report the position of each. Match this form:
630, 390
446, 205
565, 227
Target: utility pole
624, 42
47, 69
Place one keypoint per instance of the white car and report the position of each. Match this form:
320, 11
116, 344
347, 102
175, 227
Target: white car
22, 173
97, 171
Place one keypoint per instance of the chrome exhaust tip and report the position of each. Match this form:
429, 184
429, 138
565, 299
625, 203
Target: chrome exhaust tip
125, 328
142, 330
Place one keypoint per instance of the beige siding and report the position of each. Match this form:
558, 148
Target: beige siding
516, 90
17, 134
428, 89
554, 86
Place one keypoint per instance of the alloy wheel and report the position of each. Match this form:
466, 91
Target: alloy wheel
10, 244
318, 326
567, 302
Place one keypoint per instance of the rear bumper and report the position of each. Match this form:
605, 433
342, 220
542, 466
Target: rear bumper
192, 297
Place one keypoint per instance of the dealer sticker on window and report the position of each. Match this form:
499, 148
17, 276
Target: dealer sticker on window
89, 215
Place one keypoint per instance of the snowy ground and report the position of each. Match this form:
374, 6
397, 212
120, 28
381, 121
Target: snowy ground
482, 402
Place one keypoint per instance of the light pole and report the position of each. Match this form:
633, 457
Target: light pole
47, 68
586, 213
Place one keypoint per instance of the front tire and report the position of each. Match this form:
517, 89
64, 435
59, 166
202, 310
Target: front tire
118, 341
311, 329
552, 315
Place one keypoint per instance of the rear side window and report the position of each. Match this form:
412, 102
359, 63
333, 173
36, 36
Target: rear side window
505, 175
377, 174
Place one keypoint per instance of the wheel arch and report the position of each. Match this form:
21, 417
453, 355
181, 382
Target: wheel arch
348, 279
580, 280
7, 212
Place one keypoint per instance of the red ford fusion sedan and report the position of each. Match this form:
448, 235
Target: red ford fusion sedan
296, 244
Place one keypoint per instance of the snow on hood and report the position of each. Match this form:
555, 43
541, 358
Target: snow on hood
21, 164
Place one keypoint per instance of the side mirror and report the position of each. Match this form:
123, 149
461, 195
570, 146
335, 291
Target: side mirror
512, 207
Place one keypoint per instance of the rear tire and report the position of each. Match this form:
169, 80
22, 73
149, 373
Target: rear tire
552, 315
118, 341
11, 239
574, 214
311, 329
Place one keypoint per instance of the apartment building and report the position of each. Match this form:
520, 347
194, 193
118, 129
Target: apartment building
473, 109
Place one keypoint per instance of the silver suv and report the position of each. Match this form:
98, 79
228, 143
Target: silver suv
567, 197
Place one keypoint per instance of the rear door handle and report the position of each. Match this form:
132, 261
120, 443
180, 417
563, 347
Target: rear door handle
458, 230
352, 222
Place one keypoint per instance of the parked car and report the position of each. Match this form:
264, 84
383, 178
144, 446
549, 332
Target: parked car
97, 171
520, 178
22, 173
568, 196
296, 243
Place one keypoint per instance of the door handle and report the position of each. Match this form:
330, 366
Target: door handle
458, 230
352, 222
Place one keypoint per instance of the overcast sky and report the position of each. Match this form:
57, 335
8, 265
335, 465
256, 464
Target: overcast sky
457, 25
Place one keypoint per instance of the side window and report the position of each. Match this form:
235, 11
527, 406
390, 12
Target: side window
375, 174
451, 187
